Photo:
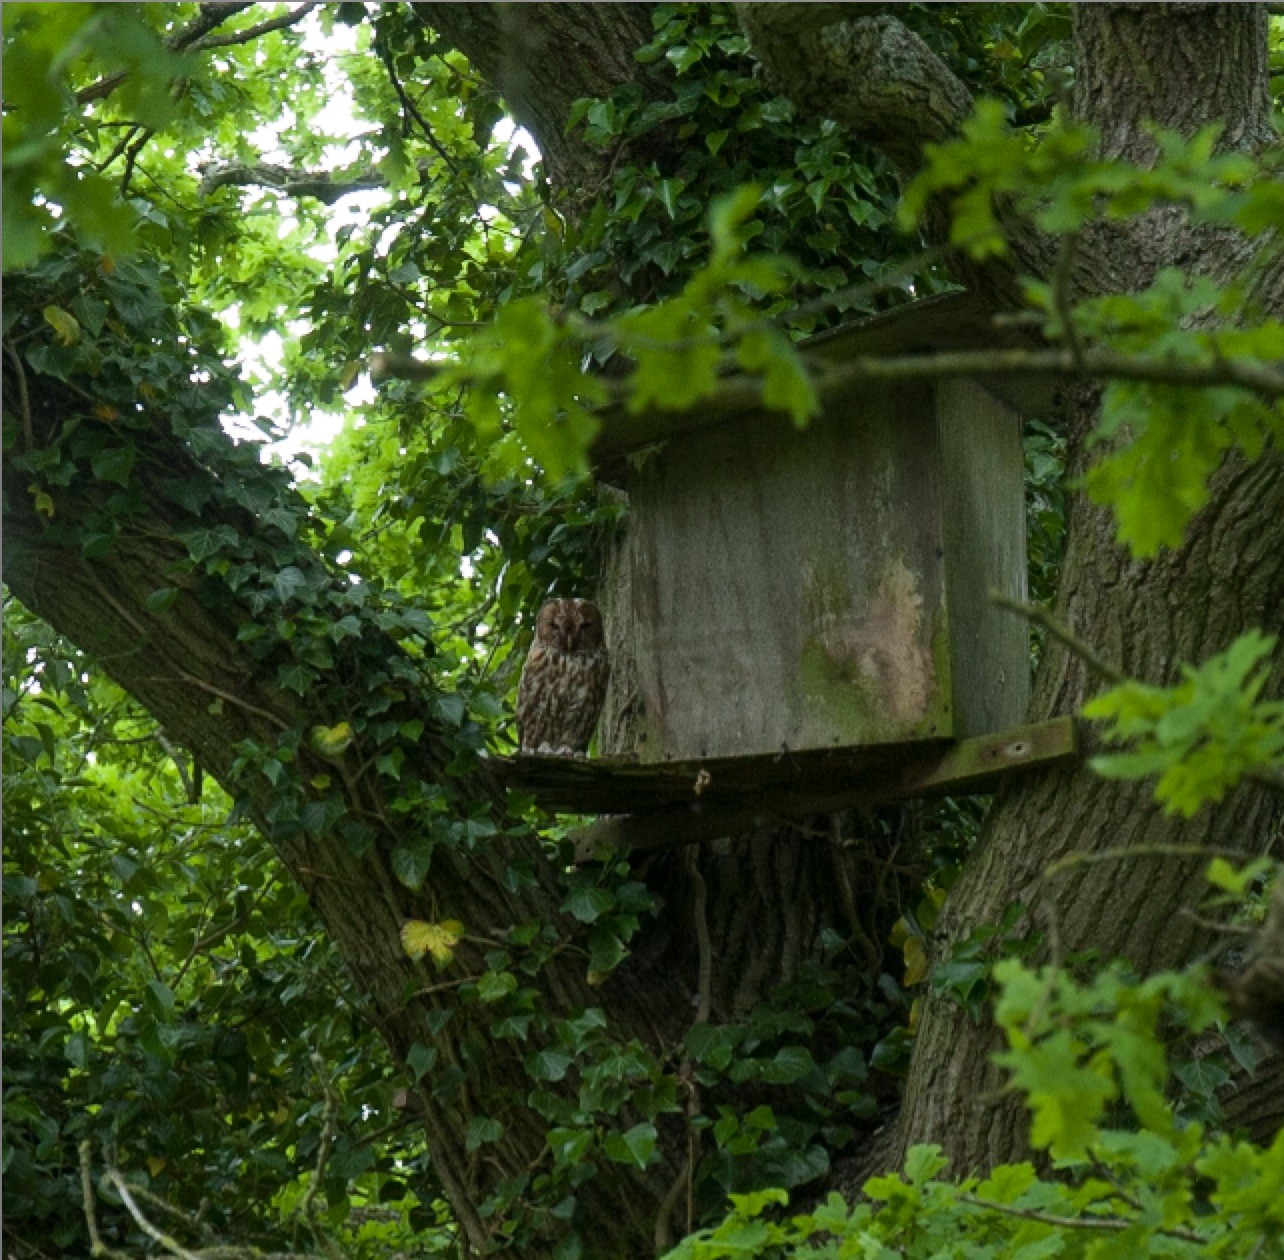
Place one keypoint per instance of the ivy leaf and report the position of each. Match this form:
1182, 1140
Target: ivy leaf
549, 1065
669, 190
411, 860
790, 1064
495, 985
421, 1059
482, 1130
288, 582
113, 463
202, 544
66, 329
438, 939
296, 678
332, 741
636, 1147
569, 1146
915, 961
588, 904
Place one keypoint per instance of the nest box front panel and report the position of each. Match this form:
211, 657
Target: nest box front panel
788, 587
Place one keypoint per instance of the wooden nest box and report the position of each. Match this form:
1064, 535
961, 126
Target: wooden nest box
802, 621
829, 587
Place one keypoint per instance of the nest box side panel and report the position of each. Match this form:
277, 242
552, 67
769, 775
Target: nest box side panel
984, 500
788, 586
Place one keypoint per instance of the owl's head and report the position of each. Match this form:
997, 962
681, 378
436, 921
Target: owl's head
570, 625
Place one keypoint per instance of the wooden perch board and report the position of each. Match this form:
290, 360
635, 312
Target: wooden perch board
680, 802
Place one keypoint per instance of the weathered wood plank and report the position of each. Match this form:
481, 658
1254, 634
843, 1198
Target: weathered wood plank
606, 785
967, 767
788, 587
683, 802
983, 522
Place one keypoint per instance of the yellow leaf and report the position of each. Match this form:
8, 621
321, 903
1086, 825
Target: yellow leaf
553, 222
900, 932
332, 741
64, 324
596, 977
916, 1013
44, 504
155, 1165
105, 411
438, 939
107, 263
915, 961
320, 782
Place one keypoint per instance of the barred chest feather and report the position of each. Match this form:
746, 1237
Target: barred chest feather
560, 698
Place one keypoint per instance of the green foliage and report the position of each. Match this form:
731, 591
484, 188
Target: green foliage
1161, 442
1202, 736
163, 987
1130, 1175
45, 47
160, 978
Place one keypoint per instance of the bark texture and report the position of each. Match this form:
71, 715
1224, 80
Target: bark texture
751, 911
187, 667
1185, 66
544, 57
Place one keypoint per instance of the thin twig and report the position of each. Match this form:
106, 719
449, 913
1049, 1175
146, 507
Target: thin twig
154, 1232
307, 1206
1112, 1223
223, 695
699, 900
1228, 929
121, 145
211, 16
847, 896
1061, 296
174, 755
97, 1247
1264, 776
1063, 635
1106, 365
411, 111
131, 158
24, 399
253, 32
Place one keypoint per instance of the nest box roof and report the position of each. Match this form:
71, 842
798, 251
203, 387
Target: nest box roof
951, 321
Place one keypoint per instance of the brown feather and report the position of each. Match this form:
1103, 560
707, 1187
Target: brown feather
563, 684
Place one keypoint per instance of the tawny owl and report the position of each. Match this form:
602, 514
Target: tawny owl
564, 679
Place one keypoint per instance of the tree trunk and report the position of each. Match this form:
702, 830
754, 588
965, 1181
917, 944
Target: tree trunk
1182, 66
753, 909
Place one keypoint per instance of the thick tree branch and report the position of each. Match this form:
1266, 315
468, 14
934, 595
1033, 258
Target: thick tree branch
869, 73
325, 187
174, 659
543, 57
211, 16
286, 20
886, 86
741, 392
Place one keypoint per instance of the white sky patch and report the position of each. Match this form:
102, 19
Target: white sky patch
262, 358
